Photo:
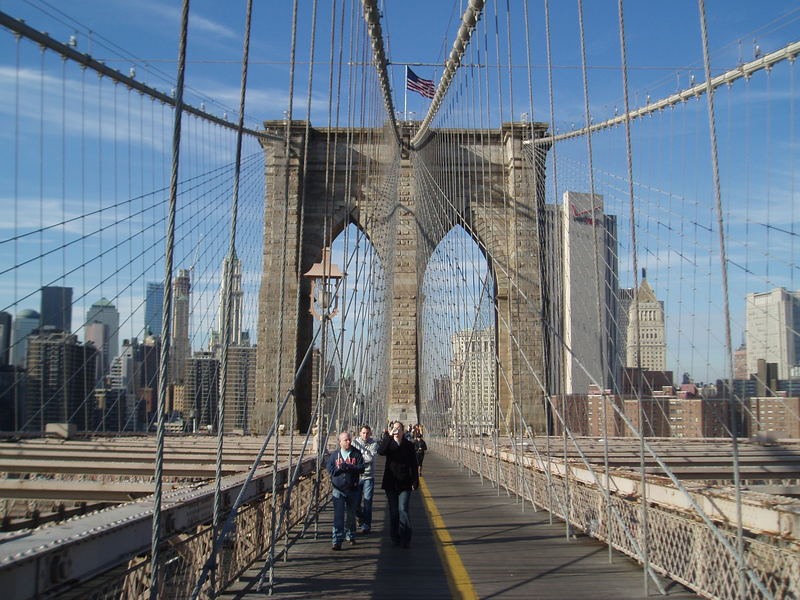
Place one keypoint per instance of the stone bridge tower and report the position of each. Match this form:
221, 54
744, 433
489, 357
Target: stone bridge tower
341, 185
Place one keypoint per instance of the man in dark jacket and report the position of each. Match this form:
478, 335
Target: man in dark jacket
400, 477
345, 467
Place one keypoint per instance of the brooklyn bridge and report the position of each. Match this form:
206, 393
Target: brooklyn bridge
560, 239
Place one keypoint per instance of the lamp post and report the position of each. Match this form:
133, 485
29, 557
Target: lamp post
323, 305
324, 295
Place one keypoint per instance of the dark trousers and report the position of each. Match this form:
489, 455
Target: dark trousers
364, 509
399, 517
344, 514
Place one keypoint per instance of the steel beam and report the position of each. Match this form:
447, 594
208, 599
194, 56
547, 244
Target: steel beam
89, 491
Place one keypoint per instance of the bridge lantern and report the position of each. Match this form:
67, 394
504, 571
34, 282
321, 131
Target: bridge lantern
324, 278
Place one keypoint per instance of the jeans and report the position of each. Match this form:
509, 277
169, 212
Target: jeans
364, 510
344, 514
399, 517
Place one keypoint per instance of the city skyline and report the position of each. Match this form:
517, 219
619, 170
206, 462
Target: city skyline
732, 42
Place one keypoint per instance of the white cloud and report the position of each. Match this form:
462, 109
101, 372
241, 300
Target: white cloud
196, 21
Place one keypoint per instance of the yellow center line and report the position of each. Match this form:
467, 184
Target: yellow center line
457, 576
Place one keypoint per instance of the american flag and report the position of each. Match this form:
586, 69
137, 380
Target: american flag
417, 84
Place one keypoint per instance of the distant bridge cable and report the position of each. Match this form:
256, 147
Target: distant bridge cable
166, 323
46, 41
788, 52
104, 42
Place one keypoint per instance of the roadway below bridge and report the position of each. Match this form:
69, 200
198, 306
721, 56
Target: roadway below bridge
696, 459
49, 479
469, 542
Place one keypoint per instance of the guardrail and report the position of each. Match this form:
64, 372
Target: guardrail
679, 545
106, 554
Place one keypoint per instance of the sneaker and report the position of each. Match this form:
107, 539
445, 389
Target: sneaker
365, 532
352, 542
336, 547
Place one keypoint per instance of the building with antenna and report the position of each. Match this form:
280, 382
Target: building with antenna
231, 270
181, 349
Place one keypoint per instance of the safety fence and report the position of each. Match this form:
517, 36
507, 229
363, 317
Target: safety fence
299, 493
679, 545
184, 556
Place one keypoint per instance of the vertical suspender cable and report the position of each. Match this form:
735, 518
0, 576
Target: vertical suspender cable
228, 274
712, 131
301, 231
600, 296
632, 217
284, 243
555, 200
166, 325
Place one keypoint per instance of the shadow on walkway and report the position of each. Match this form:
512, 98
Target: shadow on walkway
508, 553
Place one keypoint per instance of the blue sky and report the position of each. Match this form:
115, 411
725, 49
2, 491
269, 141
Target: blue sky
664, 54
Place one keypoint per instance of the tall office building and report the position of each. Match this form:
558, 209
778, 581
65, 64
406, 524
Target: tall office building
97, 333
589, 268
624, 301
579, 261
56, 308
134, 376
153, 308
233, 269
5, 338
25, 323
740, 363
473, 373
240, 387
649, 350
61, 380
201, 390
180, 349
106, 313
771, 330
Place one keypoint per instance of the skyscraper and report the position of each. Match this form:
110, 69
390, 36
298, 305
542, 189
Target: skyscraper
233, 269
56, 308
97, 333
589, 268
580, 245
771, 330
201, 390
181, 303
134, 374
473, 373
240, 388
21, 328
5, 337
104, 312
652, 335
153, 308
61, 380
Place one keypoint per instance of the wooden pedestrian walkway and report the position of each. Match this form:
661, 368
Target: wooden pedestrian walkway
468, 543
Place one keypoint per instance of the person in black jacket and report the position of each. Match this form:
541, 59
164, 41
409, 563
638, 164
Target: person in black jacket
420, 447
345, 467
400, 477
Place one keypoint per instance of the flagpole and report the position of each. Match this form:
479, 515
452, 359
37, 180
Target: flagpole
405, 97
